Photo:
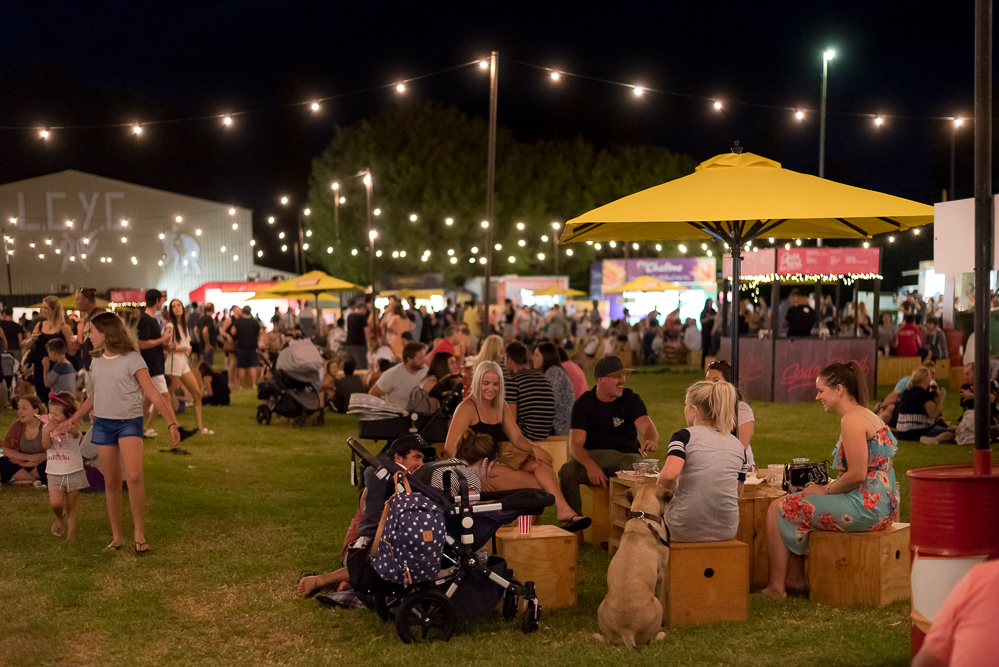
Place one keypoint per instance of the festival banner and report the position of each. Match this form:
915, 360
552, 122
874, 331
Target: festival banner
807, 261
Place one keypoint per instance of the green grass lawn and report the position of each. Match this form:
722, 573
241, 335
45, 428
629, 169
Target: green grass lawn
232, 526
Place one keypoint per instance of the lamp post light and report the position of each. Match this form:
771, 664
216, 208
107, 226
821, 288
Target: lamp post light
372, 234
826, 57
958, 122
555, 227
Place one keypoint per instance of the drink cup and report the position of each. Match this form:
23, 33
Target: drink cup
774, 473
524, 523
640, 468
652, 465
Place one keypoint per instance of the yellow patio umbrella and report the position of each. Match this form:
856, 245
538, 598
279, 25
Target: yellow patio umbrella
314, 284
557, 290
737, 197
69, 303
644, 284
268, 294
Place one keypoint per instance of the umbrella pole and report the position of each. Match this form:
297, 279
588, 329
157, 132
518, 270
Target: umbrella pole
734, 322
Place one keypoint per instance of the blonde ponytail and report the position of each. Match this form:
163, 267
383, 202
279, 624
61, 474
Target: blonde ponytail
716, 402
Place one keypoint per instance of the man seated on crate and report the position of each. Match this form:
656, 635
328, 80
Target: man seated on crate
606, 421
407, 453
397, 383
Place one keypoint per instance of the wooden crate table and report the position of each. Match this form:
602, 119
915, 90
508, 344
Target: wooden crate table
596, 505
558, 447
708, 583
547, 557
753, 508
620, 506
859, 568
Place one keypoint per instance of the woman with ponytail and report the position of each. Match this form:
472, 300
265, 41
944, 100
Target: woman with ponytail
864, 497
705, 466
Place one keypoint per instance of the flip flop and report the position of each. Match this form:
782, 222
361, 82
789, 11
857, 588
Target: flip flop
176, 450
575, 525
112, 547
57, 531
141, 552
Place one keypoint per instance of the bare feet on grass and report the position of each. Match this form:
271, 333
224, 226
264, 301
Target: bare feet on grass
773, 593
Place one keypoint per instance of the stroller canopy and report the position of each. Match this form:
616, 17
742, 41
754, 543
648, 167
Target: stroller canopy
301, 360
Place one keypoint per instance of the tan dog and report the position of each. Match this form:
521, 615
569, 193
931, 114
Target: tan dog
632, 614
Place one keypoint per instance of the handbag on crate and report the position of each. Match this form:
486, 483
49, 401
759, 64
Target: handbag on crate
800, 472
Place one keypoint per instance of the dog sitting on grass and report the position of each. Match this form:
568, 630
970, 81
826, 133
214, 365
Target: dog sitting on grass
632, 613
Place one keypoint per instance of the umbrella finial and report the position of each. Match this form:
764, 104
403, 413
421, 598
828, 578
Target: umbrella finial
736, 148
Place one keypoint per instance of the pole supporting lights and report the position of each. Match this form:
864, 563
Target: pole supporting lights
826, 57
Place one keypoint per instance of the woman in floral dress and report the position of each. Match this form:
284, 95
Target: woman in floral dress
864, 497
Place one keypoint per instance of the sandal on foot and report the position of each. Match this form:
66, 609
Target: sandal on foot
57, 529
112, 547
141, 551
577, 523
206, 431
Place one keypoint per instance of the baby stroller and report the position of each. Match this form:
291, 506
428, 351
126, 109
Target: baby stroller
465, 583
294, 392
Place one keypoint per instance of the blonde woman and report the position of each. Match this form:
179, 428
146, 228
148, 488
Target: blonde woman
705, 465
485, 412
52, 325
493, 349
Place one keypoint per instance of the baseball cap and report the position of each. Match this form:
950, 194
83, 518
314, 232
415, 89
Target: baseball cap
406, 443
610, 365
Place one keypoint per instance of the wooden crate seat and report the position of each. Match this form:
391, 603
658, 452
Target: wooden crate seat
596, 505
869, 569
547, 557
708, 582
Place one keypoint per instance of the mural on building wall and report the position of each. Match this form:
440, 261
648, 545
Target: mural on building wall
181, 252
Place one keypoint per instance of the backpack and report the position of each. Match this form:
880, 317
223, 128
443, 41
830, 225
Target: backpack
409, 544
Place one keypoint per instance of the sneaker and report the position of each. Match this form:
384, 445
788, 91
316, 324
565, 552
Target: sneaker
38, 484
150, 433
206, 431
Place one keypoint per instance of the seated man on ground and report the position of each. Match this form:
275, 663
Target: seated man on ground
606, 422
407, 452
398, 382
529, 394
346, 386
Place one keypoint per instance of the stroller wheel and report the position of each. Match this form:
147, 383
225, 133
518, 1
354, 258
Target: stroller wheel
263, 414
425, 617
510, 603
532, 615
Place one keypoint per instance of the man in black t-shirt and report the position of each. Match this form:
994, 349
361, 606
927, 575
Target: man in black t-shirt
246, 331
355, 346
606, 422
151, 341
800, 318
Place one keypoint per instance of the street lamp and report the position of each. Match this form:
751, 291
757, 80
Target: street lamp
826, 57
336, 219
555, 226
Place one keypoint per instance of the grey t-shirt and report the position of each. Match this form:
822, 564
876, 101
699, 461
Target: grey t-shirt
705, 505
397, 383
117, 394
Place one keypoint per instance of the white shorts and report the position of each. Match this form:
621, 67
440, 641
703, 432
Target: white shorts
177, 364
159, 381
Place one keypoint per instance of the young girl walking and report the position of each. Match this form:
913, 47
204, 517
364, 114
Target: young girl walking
178, 369
120, 379
65, 465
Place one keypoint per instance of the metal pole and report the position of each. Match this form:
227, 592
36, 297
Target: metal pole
734, 324
371, 236
491, 179
294, 248
953, 154
984, 229
6, 257
822, 117
336, 226
555, 251
301, 242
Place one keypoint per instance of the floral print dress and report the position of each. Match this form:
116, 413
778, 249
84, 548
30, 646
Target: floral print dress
873, 506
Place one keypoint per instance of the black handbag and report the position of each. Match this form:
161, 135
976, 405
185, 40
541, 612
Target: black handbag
798, 475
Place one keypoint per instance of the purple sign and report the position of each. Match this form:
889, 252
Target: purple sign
680, 270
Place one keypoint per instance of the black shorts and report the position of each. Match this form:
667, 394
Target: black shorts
247, 358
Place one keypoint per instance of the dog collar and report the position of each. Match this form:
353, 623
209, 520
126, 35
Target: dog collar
655, 524
645, 515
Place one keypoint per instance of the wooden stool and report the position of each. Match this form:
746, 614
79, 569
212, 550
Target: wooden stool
558, 447
753, 508
620, 506
859, 568
547, 557
708, 582
596, 505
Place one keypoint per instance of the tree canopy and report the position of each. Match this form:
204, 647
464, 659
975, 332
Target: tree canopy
431, 161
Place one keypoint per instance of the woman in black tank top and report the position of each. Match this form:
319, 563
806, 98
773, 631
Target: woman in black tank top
485, 412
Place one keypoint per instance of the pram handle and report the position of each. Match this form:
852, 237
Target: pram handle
363, 453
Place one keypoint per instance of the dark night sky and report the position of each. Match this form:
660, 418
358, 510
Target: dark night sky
69, 63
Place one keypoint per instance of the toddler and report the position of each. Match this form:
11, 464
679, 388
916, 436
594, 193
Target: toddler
60, 376
65, 462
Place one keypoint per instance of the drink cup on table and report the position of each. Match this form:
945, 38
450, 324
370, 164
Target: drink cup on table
524, 523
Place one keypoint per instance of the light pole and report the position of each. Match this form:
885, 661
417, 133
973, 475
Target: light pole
555, 228
490, 180
301, 238
958, 122
826, 57
372, 234
336, 220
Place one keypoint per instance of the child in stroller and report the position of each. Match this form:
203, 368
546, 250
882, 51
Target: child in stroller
465, 583
296, 388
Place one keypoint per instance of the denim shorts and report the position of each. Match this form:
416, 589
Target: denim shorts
108, 431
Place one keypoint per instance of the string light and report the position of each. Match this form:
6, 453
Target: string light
412, 217
162, 236
227, 121
395, 255
482, 260
613, 244
284, 201
179, 218
522, 243
450, 252
308, 233
232, 211
253, 242
197, 232
544, 238
284, 248
799, 114
878, 120
222, 248
597, 246
638, 91
471, 260
137, 129
866, 244
454, 260
377, 211
568, 251
555, 76
717, 105
372, 235
483, 64
682, 248
511, 259
315, 106
235, 226
307, 211
281, 235
329, 250
124, 239
353, 253
270, 220
260, 253
400, 88
891, 239
475, 249
449, 222
915, 230
235, 258
498, 246
541, 256
485, 224
520, 226
659, 247
634, 246
43, 133
958, 122
797, 242
704, 246
135, 261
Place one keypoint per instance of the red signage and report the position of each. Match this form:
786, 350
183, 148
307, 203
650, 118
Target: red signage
808, 261
129, 296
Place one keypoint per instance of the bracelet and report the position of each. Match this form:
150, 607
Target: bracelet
173, 424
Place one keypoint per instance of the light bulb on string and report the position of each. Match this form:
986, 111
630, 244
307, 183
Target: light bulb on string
281, 235
597, 246
511, 259
43, 133
916, 231
353, 253
315, 106
260, 253
613, 244
412, 217
136, 129
555, 76
475, 249
377, 211
958, 122
454, 260
520, 226
483, 64
329, 250
482, 260
522, 243
270, 220
450, 252
179, 218
449, 222
227, 121
879, 121
638, 91
284, 200
717, 105
485, 224
541, 256
799, 114
682, 248
400, 88
544, 238
568, 251
634, 246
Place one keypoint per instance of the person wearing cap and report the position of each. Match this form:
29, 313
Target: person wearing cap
605, 428
407, 454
